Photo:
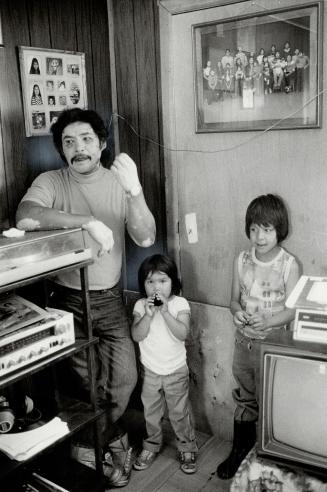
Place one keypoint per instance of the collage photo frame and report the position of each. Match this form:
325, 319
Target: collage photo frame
52, 80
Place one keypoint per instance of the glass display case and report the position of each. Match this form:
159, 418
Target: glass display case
38, 252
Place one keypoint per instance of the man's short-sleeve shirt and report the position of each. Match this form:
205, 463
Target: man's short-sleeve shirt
99, 195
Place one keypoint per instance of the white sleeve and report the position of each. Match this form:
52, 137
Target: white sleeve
182, 306
139, 308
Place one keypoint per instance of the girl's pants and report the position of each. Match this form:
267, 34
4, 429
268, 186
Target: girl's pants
171, 390
246, 371
247, 376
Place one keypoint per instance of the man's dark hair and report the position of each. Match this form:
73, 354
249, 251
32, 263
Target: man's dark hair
159, 263
268, 210
69, 116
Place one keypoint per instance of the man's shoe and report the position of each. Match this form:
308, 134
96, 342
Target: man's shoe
187, 461
84, 455
117, 462
145, 459
117, 475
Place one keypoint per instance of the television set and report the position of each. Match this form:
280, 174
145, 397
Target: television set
292, 427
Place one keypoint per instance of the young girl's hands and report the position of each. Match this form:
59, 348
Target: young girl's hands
149, 307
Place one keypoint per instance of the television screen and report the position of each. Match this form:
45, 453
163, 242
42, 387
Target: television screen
293, 408
299, 404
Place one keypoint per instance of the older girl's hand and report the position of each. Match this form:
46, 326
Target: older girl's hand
240, 318
259, 323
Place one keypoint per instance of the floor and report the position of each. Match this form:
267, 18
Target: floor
165, 476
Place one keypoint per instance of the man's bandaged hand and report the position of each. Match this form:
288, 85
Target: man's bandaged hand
125, 170
101, 234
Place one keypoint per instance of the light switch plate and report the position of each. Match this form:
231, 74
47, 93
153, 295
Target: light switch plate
191, 228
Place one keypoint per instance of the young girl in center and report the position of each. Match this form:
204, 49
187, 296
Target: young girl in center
263, 278
161, 325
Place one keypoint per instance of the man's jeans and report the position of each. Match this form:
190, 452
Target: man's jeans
114, 354
171, 389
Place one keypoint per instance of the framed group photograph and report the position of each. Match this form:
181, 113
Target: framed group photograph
52, 81
260, 71
1, 39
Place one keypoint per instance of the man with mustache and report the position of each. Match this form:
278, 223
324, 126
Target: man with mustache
101, 201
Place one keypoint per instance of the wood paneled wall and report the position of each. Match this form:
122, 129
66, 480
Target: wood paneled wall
61, 25
82, 25
139, 107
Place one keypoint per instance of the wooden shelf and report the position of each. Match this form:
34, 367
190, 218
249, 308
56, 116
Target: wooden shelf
77, 415
62, 471
73, 476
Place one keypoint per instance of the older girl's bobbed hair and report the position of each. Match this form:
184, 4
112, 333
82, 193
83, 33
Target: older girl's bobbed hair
268, 210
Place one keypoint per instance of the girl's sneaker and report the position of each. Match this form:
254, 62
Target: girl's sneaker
187, 461
145, 459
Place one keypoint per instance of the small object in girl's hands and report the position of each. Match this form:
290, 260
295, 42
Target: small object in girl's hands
156, 300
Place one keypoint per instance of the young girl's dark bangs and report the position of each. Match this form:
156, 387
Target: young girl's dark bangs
159, 263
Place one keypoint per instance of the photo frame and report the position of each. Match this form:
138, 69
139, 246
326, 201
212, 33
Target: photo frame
52, 80
1, 37
260, 71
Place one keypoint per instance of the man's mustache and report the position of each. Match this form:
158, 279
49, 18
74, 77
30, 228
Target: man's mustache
80, 156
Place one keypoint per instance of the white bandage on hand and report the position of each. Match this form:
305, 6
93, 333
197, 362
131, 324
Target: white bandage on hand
101, 234
125, 170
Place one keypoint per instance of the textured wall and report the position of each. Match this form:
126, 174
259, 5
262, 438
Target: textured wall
233, 168
210, 351
217, 185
